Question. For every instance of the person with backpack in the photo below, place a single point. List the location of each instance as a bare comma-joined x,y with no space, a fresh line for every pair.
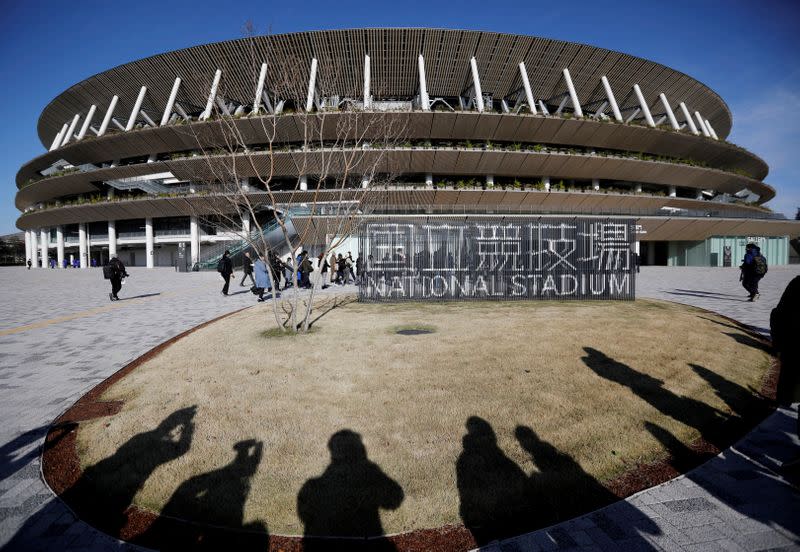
306,268
115,271
225,269
754,267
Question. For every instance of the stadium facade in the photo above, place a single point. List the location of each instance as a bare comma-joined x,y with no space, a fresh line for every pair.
497,125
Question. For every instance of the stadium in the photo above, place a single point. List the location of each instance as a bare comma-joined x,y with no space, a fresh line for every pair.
495,126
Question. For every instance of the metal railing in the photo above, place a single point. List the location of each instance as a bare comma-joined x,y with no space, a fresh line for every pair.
272,235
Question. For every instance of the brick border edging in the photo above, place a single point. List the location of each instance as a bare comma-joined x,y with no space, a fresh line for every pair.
61,470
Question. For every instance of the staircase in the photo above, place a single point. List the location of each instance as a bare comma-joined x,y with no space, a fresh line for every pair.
273,235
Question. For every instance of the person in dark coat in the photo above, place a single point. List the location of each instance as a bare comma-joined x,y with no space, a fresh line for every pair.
306,268
118,272
750,274
29,264
262,281
784,325
247,268
226,270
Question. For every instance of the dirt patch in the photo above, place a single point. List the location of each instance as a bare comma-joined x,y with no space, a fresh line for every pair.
719,388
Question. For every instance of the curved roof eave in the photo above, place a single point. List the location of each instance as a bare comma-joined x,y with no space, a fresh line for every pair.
544,60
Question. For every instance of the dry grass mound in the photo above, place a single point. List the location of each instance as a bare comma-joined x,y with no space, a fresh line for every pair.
508,416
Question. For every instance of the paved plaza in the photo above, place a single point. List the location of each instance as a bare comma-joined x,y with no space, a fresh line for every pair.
60,336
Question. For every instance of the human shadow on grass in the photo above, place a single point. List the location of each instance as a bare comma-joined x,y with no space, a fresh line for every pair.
739,327
499,500
750,342
104,491
715,426
206,512
340,509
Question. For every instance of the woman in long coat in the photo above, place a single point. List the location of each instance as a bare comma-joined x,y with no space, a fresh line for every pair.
262,279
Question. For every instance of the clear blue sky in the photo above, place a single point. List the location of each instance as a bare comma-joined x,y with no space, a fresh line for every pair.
746,51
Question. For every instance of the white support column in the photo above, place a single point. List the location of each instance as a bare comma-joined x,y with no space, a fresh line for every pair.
60,137
476,83
112,238
490,181
543,108
57,140
194,233
82,246
65,140
643,104
428,180
149,242
546,181
637,188
526,84
365,180
699,194
423,85
262,77
576,105
367,97
595,184
672,191
633,115
312,85
245,223
688,118
670,115
136,107
34,248
86,123
303,182
45,244
711,130
611,99
702,124
60,246
170,102
109,114
212,95
27,246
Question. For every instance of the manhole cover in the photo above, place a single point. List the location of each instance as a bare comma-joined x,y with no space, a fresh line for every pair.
413,332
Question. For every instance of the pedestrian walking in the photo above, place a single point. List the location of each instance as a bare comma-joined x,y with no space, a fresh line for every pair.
225,269
247,268
29,264
360,268
341,270
115,271
753,268
350,264
324,266
306,268
332,263
262,281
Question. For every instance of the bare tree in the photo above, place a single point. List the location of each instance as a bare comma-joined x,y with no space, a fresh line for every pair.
336,153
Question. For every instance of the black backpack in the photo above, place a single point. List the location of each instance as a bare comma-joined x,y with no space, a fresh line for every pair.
108,272
221,265
760,265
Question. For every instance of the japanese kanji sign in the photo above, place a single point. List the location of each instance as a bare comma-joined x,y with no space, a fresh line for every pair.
514,258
